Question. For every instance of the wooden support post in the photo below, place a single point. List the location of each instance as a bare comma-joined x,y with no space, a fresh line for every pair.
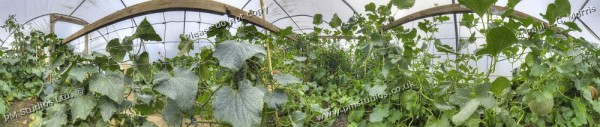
86,45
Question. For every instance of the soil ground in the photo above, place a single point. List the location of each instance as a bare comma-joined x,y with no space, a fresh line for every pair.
20,121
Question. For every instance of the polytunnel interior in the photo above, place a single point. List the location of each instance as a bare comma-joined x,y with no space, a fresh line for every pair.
90,24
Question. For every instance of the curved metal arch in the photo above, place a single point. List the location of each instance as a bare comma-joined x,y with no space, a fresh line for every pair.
450,9
154,6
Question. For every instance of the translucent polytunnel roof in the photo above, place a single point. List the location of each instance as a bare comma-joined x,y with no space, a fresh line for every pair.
281,13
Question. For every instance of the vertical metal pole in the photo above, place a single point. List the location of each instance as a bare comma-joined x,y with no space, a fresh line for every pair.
455,29
184,21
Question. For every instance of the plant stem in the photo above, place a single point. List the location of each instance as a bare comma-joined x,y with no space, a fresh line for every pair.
493,67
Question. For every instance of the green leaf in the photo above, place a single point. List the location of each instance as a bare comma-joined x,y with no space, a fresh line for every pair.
572,26
370,7
465,112
112,85
181,87
128,43
172,115
79,73
142,64
275,99
82,106
144,97
185,45
385,70
300,58
442,107
408,99
581,112
537,69
285,32
443,47
100,123
468,20
462,44
486,99
356,115
498,39
2,106
395,115
435,122
478,6
232,54
403,4
460,97
499,85
377,90
241,108
556,10
596,106
286,79
335,21
512,3
317,19
379,112
146,32
107,108
297,118
56,116
116,50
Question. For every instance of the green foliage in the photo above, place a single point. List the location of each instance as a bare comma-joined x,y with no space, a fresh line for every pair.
58,116
286,79
380,78
233,54
107,108
146,32
497,40
403,4
465,112
478,6
181,87
317,19
556,10
275,99
116,50
335,21
370,7
241,107
499,85
379,112
81,107
143,66
111,84
185,45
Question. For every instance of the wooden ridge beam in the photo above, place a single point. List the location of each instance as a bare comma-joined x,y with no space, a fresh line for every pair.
450,9
66,18
154,6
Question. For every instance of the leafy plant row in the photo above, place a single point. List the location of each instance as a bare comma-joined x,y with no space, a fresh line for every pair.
255,79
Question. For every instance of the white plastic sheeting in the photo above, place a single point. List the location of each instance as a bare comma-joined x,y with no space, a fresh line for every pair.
282,13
